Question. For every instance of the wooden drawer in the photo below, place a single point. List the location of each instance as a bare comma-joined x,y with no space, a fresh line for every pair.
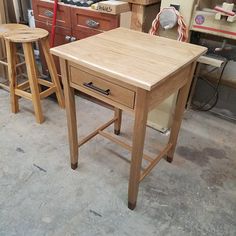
84,32
100,86
43,11
93,20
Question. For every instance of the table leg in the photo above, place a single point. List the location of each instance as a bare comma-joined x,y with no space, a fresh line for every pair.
117,124
179,110
139,131
71,115
193,86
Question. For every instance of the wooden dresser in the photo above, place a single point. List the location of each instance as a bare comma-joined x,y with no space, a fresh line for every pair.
73,23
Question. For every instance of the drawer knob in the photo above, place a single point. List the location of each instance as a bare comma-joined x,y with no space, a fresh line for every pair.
72,39
102,91
48,13
68,38
92,23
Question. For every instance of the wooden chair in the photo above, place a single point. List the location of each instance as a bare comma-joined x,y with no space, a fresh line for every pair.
4,28
31,89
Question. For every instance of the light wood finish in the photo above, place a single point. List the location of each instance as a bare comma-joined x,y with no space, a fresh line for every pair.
139,130
2,12
179,110
70,113
52,71
143,15
117,93
154,162
102,52
27,37
4,28
31,71
143,2
117,124
150,66
95,132
122,144
11,52
113,7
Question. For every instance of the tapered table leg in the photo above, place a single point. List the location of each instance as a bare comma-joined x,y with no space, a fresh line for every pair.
71,115
117,124
138,145
179,111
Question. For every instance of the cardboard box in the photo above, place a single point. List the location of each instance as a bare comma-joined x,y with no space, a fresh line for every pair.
113,7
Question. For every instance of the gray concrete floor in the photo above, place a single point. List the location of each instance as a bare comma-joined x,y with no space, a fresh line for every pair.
41,195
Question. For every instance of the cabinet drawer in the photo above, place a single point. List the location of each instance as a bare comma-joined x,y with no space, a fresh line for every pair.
43,11
93,20
103,88
84,32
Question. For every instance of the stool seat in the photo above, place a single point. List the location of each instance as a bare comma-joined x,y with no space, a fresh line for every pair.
4,28
26,35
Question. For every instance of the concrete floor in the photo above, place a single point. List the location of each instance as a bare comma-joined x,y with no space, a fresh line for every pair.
41,195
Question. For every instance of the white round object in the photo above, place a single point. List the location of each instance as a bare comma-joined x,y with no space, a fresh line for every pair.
168,19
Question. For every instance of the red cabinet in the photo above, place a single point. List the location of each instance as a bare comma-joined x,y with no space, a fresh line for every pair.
73,23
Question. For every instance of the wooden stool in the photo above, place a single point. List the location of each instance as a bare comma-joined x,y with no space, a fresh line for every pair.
27,37
4,28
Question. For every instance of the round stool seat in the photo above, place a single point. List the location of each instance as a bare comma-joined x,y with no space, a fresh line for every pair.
4,28
26,35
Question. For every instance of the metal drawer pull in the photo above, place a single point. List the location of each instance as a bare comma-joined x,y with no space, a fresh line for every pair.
72,39
68,38
48,13
91,86
92,23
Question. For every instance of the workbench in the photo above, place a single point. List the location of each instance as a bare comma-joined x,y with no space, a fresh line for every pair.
134,72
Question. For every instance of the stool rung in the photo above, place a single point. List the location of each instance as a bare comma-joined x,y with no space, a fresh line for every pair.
47,92
23,86
20,64
45,83
4,86
4,63
23,94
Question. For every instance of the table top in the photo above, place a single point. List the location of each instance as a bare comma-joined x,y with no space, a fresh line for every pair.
137,58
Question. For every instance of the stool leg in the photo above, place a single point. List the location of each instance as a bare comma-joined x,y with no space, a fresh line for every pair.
32,75
11,58
117,124
3,55
53,71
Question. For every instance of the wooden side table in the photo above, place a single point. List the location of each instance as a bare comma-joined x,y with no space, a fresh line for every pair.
134,72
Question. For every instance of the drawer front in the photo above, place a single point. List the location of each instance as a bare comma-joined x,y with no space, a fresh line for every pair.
93,20
84,32
102,87
43,11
